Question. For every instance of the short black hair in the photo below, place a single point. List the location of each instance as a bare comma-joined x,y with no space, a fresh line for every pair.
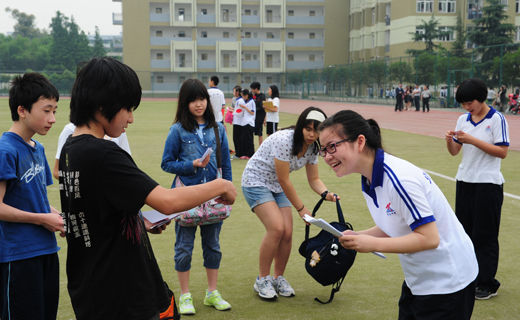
471,89
191,90
274,91
27,89
215,80
255,85
105,85
245,92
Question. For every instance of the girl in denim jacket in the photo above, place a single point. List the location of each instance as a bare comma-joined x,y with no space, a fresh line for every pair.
190,135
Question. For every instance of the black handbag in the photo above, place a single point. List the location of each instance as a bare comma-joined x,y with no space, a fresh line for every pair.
325,259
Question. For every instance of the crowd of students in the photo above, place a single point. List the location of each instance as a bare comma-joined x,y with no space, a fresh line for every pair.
448,257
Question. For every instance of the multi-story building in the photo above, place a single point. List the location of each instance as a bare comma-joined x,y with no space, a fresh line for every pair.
113,45
384,28
168,41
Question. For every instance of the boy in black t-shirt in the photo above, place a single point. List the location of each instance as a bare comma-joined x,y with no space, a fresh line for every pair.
111,269
259,98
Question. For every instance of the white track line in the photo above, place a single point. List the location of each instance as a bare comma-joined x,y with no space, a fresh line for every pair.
514,196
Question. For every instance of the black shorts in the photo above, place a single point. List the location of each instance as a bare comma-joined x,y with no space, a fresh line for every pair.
30,288
271,127
452,306
259,123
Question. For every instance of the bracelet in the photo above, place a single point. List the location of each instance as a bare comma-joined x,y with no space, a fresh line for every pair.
324,194
303,206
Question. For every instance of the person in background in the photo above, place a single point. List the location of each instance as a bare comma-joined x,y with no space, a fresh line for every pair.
217,99
412,218
258,98
483,136
68,130
192,132
247,108
270,195
425,97
29,266
272,117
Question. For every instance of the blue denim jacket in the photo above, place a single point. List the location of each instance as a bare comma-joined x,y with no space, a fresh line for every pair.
182,147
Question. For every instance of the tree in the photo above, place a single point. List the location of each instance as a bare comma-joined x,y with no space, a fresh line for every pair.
69,43
377,72
491,30
98,50
21,53
459,45
425,68
430,33
24,26
401,71
511,67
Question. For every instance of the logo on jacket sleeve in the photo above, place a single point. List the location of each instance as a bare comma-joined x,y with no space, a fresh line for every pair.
389,210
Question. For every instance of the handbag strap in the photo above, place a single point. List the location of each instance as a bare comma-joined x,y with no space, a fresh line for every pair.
341,218
219,150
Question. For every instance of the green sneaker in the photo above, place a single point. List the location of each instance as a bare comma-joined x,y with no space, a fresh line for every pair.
214,299
186,304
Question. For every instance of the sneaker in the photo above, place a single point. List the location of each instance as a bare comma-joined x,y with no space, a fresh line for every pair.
244,158
484,294
186,304
214,299
264,287
283,287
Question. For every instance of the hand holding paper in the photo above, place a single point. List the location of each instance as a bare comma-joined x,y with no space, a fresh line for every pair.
335,232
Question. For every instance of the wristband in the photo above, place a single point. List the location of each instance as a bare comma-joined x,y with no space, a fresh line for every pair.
303,206
324,194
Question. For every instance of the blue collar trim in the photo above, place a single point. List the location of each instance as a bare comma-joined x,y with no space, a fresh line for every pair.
377,176
490,113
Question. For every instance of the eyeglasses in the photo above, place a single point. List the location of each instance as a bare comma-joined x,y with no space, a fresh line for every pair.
331,147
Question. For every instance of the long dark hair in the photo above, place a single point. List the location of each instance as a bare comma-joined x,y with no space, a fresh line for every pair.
274,91
351,124
191,90
301,123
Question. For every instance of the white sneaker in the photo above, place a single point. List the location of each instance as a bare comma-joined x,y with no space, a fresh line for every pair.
264,287
283,287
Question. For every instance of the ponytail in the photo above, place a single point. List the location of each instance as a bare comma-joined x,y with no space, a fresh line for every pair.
352,124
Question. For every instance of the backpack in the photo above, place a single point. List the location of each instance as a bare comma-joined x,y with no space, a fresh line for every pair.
325,259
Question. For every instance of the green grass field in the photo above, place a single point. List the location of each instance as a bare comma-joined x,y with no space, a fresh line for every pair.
372,287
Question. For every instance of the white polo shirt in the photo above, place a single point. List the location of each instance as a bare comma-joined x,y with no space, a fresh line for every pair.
247,118
273,116
403,197
476,165
216,97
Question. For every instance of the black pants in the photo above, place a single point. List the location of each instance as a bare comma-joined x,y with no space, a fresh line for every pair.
245,141
417,103
398,104
426,104
29,288
452,306
478,207
236,140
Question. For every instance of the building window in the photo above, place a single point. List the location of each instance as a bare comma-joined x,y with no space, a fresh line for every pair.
290,35
270,35
517,6
517,36
159,56
181,14
203,56
254,57
203,11
226,79
181,34
290,57
247,12
419,30
158,10
290,13
182,60
225,15
312,57
269,79
160,79
203,34
504,3
373,16
247,57
312,13
475,9
247,34
158,33
447,6
247,79
424,5
269,16
225,34
312,35
449,36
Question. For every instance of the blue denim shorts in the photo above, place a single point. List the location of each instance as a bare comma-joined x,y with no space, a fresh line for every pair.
258,195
